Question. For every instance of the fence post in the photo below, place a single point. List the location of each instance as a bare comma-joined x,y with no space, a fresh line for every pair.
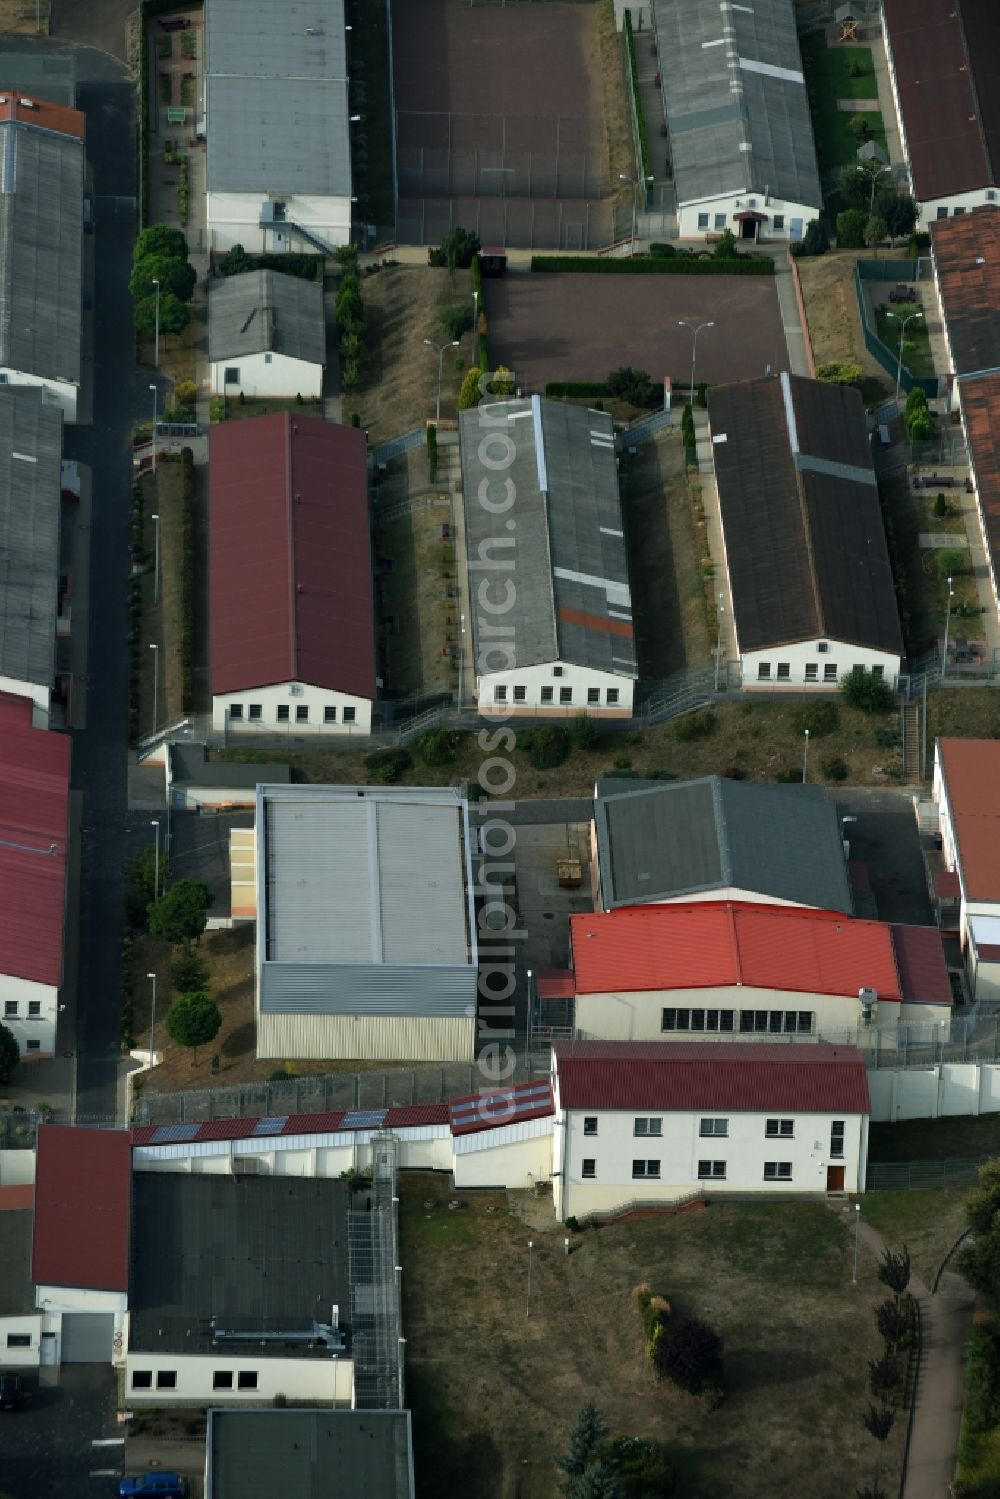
385,1087
413,1086
357,1090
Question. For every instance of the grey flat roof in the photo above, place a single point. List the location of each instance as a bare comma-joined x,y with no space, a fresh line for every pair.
17,1294
257,1254
363,901
189,765
266,312
309,1454
573,602
276,98
735,100
47,76
41,251
688,837
30,464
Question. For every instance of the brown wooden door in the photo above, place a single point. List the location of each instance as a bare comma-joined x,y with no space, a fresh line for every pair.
834,1178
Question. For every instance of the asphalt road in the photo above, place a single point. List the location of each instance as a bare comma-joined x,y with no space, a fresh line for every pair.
48,1447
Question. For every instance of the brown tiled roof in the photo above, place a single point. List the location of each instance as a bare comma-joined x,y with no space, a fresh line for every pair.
946,55
981,410
967,260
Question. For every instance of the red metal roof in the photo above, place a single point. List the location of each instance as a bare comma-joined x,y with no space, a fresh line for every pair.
25,109
269,1128
971,770
920,961
34,826
494,1109
807,1078
290,556
83,1195
555,983
713,944
947,885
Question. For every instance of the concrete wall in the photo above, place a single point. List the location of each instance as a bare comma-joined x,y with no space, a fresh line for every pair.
576,680
514,1155
61,390
952,1088
421,1148
838,656
327,1380
268,375
371,1038
35,1034
234,219
17,1168
293,696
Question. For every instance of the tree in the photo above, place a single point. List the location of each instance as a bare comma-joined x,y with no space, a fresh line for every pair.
878,1421
546,746
979,1259
471,391
894,1271
10,1053
174,275
457,320
689,1352
174,315
876,232
586,1436
839,372
188,972
725,246
502,383
940,506
457,250
892,1322
627,384
235,262
180,915
346,256
862,689
884,1375
860,128
596,1482
950,561
158,239
185,394
921,426
900,214
851,229
916,400
193,1021
815,241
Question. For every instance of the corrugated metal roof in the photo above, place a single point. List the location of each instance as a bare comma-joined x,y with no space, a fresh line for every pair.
503,1106
34,830
563,540
311,1454
384,989
682,837
733,1076
290,556
30,459
83,1192
805,544
971,771
276,98
714,944
967,261
406,1116
920,960
735,100
41,248
266,312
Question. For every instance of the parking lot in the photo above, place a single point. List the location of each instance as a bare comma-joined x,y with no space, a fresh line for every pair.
48,1448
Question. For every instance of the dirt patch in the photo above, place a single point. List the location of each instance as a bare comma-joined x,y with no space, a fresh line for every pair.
20,18
237,410
775,1279
833,317
928,1223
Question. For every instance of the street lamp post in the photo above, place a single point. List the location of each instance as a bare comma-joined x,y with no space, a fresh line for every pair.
695,330
156,555
461,662
902,333
805,760
155,391
857,1235
947,627
156,684
527,1306
718,643
475,327
156,865
635,183
156,355
152,1015
451,344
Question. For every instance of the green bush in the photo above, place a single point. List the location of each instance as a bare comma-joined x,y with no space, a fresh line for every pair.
834,768
819,718
840,372
638,265
586,733
950,561
633,386
688,1352
863,690
188,973
437,747
940,507
471,391
457,250
546,746
632,63
387,765
662,251
886,738
851,229
695,726
457,320
790,776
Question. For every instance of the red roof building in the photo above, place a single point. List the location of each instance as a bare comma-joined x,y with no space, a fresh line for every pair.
83,1196
25,109
34,827
967,790
290,556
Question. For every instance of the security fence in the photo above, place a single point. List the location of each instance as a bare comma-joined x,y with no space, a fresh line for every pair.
888,270
922,1176
372,1252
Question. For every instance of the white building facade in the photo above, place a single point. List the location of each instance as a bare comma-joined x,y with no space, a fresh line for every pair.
257,376
816,664
297,707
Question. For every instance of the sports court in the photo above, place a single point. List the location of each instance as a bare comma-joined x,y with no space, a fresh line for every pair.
500,122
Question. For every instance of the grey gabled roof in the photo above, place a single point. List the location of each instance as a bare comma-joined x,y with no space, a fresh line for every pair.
309,1454
266,312
41,251
735,100
561,540
689,837
363,901
30,463
276,98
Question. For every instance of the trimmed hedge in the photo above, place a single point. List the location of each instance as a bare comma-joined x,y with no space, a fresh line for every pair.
637,265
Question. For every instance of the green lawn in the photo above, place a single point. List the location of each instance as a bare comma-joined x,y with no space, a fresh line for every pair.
928,1223
979,1463
921,588
961,1138
828,78
917,356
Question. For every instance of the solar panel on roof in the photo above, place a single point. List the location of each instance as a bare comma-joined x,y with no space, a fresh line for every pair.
169,1134
364,1118
271,1126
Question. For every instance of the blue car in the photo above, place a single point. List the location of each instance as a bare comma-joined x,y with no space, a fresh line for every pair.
164,1485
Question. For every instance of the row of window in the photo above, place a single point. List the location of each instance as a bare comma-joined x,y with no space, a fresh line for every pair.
783,672
721,221
222,1379
565,695
282,714
991,197
646,1170
752,1022
644,1127
11,1009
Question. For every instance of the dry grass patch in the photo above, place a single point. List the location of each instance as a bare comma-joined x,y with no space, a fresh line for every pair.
20,18
928,1223
612,89
833,317
414,591
178,351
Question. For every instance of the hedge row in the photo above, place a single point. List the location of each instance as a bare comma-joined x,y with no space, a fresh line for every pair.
679,265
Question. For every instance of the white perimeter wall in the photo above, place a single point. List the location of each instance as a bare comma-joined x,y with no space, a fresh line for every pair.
953,1088
61,390
269,375
806,653
316,699
421,1148
578,679
25,1028
234,219
514,1155
327,1380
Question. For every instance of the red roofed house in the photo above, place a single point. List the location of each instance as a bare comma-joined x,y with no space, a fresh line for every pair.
292,634
739,968
967,792
34,827
654,1122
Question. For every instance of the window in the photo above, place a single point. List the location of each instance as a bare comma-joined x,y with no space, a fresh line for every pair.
349,715
565,694
33,1046
222,1379
593,694
763,671
837,1139
784,671
782,1129
711,1171
282,713
235,710
779,221
301,712
829,671
142,1379
546,694
267,358
645,1126
34,1008
799,1021
247,1379
166,1379
557,671
703,221
812,671
232,375
956,212
19,1340
645,1170
611,696
696,1020
713,1127
590,1124
256,712
589,1170
776,1022
500,694
878,671
991,196
10,1007
329,714
520,694
942,213
777,1171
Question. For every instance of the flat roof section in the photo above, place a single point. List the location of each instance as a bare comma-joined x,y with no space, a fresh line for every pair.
311,1454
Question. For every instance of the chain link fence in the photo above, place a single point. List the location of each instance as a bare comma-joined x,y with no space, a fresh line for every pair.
922,1176
372,1251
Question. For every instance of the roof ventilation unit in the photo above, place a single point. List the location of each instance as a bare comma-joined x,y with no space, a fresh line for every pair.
869,1003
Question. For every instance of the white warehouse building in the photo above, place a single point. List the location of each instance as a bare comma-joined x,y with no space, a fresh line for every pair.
266,336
